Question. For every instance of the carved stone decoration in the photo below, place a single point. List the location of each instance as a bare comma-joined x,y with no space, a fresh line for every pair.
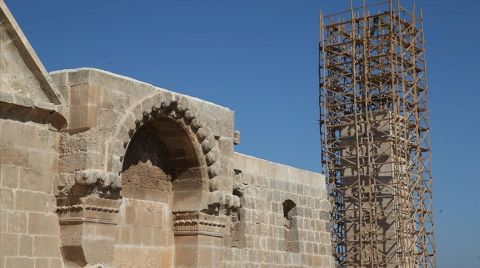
88,230
195,222
198,239
158,106
87,212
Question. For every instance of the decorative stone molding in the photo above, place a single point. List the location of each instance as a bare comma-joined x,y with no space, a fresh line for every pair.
90,209
78,221
26,109
224,199
236,137
162,105
195,222
97,177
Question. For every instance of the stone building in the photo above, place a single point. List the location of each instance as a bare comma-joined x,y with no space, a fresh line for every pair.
100,170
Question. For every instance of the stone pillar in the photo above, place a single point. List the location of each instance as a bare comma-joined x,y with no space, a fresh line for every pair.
145,237
88,228
198,239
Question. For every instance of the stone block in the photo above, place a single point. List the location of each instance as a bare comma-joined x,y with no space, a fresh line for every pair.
141,236
12,155
25,135
36,180
98,250
12,241
43,160
42,263
3,220
17,222
107,119
83,117
144,257
104,97
43,224
186,200
25,247
7,199
153,257
125,233
185,255
105,231
19,262
56,263
130,215
162,237
46,246
82,94
205,257
34,201
9,176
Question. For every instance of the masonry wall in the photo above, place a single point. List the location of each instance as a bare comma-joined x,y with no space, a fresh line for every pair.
263,187
251,213
144,236
29,229
99,103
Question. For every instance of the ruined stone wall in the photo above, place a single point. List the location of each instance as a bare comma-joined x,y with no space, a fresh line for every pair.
267,231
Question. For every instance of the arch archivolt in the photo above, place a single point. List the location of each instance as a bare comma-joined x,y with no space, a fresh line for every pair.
154,107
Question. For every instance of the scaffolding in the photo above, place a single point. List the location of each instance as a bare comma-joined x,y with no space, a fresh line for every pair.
375,136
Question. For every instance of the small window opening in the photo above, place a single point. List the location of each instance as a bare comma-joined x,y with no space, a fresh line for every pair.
290,226
237,229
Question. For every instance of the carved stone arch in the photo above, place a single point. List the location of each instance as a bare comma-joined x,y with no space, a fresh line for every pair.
164,135
164,106
191,220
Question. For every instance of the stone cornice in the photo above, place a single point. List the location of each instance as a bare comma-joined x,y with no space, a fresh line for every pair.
25,109
91,209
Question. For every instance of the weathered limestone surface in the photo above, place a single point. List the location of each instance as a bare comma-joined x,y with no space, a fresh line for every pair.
100,170
29,143
265,238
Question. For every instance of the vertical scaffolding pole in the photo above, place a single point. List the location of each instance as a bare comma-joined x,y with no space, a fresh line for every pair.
375,136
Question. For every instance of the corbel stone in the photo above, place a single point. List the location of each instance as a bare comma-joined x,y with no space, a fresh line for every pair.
79,219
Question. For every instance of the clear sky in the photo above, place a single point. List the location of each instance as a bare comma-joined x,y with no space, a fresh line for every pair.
259,58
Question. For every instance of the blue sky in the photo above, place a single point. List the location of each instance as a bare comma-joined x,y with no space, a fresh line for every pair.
259,58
